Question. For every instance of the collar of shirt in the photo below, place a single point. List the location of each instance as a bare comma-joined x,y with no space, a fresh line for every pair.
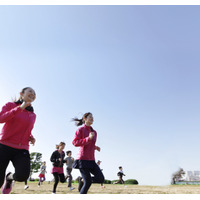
88,128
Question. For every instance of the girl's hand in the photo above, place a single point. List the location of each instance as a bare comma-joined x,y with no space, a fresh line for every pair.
59,159
24,105
32,140
91,135
98,148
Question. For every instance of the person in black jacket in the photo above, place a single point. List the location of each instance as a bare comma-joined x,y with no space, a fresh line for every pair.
57,158
120,174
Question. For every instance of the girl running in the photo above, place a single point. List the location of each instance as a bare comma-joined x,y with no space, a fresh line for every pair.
57,158
85,138
42,173
18,118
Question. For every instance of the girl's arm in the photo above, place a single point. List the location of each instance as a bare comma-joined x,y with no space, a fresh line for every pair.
63,159
54,158
97,148
31,138
78,140
8,112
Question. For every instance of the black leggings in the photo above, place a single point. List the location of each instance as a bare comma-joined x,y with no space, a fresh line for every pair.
56,179
88,180
20,159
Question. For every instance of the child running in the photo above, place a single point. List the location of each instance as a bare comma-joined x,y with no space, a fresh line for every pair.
57,158
69,161
42,173
18,118
120,174
85,138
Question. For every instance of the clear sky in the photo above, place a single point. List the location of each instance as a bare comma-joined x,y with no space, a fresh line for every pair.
136,68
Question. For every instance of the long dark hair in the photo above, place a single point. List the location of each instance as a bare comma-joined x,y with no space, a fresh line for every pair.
79,122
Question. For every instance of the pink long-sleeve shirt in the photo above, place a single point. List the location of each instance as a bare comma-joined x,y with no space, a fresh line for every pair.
87,147
18,125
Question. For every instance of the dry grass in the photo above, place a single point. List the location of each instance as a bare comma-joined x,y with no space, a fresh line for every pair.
46,188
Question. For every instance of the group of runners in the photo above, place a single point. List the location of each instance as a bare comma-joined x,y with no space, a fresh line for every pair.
19,119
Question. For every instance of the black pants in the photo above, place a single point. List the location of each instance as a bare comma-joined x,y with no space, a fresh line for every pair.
58,177
20,159
88,180
120,180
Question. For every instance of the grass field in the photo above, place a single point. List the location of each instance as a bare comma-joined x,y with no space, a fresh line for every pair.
46,188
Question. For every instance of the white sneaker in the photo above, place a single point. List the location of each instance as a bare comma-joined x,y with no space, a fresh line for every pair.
71,188
26,187
53,193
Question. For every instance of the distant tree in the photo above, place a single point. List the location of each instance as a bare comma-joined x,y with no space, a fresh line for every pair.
131,181
106,181
177,176
35,162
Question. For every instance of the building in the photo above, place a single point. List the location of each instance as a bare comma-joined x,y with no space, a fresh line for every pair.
189,178
192,176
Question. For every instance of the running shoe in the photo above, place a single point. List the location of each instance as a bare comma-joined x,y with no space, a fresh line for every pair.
7,186
71,188
26,187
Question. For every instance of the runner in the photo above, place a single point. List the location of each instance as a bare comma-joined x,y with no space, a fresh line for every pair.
57,158
42,173
18,118
85,138
69,162
120,174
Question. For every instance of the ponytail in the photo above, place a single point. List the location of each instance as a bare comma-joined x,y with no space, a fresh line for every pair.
78,122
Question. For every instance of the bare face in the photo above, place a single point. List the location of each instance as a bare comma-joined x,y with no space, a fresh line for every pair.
89,120
69,154
28,95
61,147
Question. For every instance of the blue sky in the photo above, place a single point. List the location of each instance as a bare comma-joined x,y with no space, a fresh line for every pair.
136,68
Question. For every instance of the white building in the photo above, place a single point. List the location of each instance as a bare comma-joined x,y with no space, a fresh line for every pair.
191,176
